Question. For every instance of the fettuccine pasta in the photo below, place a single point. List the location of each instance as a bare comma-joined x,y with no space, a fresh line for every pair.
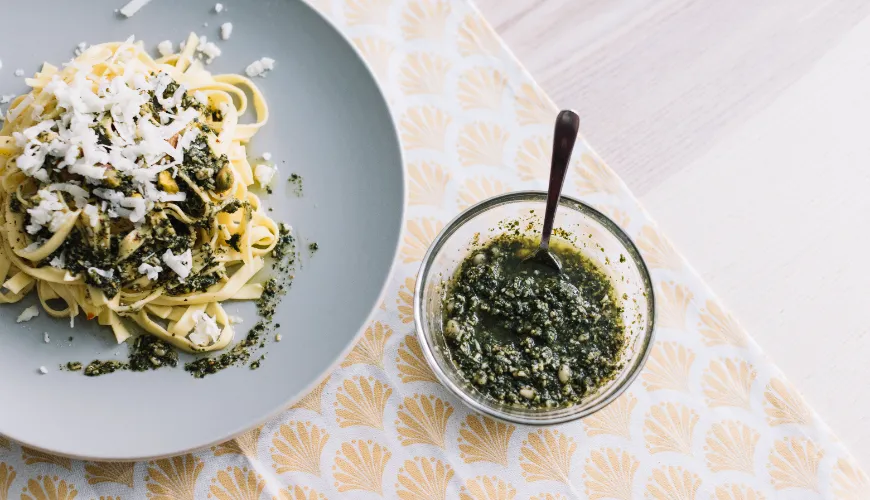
124,184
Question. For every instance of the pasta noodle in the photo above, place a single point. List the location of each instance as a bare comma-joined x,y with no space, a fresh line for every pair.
124,194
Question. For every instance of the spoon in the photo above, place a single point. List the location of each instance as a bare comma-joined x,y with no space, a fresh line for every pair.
564,137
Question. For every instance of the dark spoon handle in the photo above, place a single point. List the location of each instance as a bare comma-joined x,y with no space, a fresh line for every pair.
564,137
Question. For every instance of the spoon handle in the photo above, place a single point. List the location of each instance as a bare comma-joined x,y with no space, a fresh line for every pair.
564,137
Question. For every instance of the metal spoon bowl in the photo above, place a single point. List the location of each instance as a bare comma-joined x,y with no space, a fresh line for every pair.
564,137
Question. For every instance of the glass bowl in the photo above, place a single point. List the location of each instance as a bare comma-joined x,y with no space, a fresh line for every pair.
594,234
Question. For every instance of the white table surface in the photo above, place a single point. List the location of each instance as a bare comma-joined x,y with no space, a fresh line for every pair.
744,128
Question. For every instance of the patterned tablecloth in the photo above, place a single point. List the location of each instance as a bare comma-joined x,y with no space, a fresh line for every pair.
710,417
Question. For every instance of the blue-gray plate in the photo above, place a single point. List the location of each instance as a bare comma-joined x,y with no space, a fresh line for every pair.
330,124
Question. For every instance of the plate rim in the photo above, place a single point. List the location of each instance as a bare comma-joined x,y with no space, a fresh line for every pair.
326,372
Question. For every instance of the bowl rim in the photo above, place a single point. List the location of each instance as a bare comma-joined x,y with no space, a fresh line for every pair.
569,202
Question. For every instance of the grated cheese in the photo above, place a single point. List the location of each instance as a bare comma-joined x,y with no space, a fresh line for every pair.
218,7
58,261
267,156
264,174
49,212
43,370
27,314
165,48
133,7
205,330
181,264
151,272
45,337
81,48
19,72
226,31
207,50
6,98
260,67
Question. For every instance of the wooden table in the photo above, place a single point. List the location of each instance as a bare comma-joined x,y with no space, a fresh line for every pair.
744,128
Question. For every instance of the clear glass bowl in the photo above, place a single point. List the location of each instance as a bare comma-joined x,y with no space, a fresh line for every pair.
596,235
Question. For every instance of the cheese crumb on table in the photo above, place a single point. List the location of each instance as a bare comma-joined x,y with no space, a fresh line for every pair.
19,72
43,370
45,337
278,337
133,7
81,48
218,7
27,314
226,31
267,156
7,98
260,67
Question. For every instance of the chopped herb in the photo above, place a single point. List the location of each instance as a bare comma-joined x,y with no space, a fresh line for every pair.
74,366
312,248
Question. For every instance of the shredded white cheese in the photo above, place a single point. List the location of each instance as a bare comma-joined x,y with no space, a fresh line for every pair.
151,272
218,7
207,50
181,264
19,72
205,329
81,48
260,67
58,261
200,97
43,370
226,31
165,48
267,156
133,7
6,98
27,314
234,319
50,211
264,174
45,337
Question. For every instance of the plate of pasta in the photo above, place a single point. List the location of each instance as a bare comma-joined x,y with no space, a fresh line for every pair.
194,223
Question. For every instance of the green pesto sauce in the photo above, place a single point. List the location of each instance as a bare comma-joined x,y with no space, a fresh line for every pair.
525,336
238,355
151,353
96,368
147,352
295,181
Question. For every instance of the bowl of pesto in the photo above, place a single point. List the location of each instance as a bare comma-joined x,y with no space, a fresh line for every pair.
523,343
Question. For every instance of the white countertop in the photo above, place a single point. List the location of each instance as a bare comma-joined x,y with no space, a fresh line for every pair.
744,128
